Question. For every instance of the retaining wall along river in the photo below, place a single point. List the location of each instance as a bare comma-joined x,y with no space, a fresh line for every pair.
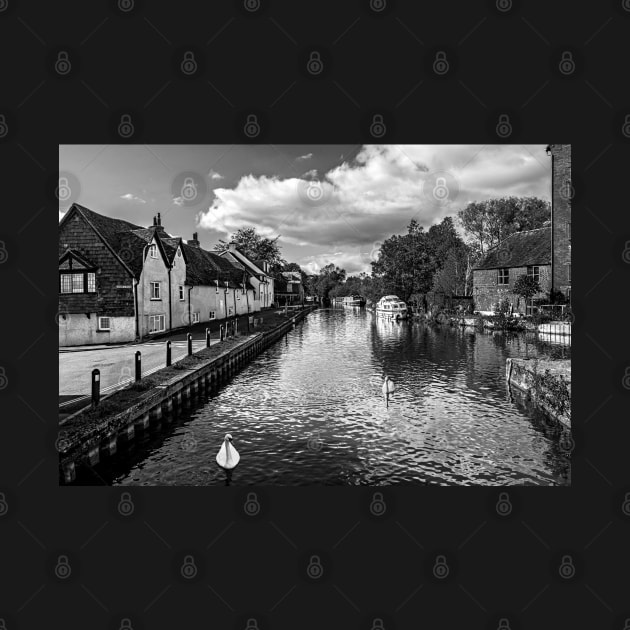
87,444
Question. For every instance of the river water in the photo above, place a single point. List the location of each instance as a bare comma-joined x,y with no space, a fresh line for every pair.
309,410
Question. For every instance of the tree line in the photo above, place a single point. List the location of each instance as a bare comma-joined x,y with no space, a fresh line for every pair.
418,262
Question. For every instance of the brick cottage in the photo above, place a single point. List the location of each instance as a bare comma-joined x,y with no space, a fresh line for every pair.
544,254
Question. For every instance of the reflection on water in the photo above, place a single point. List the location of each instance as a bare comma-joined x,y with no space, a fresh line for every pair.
309,410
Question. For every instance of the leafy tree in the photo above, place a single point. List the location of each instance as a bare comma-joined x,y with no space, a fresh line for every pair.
455,275
489,222
526,287
255,247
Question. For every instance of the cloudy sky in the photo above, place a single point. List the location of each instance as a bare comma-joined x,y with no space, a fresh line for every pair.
327,203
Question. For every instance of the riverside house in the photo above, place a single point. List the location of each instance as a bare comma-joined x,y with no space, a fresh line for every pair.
544,254
289,288
521,253
120,282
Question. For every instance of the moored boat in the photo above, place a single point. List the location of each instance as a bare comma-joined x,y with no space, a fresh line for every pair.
391,306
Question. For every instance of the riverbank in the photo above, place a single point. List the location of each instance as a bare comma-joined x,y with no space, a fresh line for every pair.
547,383
92,433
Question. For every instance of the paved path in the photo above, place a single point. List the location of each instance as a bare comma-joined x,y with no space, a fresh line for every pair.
116,363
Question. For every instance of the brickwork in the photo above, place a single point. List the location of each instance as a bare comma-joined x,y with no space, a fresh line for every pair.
487,292
561,216
114,286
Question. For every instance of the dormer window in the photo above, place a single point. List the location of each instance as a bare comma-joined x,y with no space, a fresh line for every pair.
153,251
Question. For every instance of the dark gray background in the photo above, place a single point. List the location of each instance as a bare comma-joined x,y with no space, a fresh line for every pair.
255,62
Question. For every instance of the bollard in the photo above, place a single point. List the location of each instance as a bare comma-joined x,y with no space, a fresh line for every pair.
138,365
96,387
168,353
189,337
236,328
207,337
221,332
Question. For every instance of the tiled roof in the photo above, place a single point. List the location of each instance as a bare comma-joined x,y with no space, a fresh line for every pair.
129,242
532,247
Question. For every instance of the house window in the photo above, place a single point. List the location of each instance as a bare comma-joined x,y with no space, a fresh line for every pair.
195,318
77,283
157,323
91,283
230,310
155,291
534,272
212,315
104,323
153,251
181,292
66,283
504,276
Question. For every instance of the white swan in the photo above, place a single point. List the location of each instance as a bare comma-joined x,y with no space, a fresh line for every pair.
388,388
228,456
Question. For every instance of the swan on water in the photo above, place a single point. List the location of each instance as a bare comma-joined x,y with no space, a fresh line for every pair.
228,456
388,388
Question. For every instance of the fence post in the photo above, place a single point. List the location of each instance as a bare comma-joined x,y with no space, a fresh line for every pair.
96,387
138,365
168,353
221,332
189,337
207,337
236,328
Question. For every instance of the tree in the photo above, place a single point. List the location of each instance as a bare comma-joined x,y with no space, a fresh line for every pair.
255,247
489,222
407,264
526,287
453,278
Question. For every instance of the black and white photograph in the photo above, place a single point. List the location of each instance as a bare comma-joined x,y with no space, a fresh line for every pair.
302,315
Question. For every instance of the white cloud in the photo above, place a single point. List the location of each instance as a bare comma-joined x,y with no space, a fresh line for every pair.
214,175
130,197
375,195
308,156
309,174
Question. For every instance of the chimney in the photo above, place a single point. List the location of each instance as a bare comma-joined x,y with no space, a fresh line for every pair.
194,241
157,224
232,246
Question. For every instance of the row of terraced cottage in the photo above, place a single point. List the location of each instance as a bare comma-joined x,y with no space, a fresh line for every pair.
543,254
121,282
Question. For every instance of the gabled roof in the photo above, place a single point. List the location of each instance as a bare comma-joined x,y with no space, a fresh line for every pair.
108,229
70,258
237,256
128,243
521,249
